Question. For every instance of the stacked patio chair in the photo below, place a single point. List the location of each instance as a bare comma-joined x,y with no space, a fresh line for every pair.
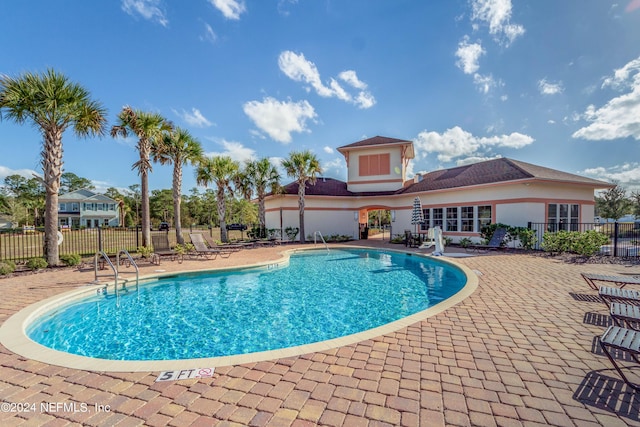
624,308
203,250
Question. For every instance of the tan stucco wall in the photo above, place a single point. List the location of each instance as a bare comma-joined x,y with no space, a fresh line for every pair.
514,204
358,183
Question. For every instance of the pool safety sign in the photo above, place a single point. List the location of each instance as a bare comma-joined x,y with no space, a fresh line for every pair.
185,374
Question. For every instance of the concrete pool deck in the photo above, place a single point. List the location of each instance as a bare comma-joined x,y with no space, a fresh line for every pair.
521,350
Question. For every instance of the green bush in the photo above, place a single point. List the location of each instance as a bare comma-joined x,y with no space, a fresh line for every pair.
71,259
589,242
145,251
465,242
291,232
7,267
37,263
398,239
586,243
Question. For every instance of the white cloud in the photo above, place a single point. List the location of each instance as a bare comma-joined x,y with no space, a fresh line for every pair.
476,159
209,35
626,174
548,88
231,9
497,15
5,172
456,142
625,77
235,150
279,119
620,116
351,77
484,83
283,6
328,149
150,10
336,168
299,69
194,118
468,55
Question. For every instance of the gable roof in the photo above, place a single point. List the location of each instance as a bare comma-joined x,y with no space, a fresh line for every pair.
495,171
84,194
376,140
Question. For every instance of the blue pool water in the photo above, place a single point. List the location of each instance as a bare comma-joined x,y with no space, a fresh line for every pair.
318,296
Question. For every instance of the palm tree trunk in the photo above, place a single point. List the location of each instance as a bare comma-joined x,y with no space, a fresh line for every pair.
177,184
222,211
301,209
146,216
52,168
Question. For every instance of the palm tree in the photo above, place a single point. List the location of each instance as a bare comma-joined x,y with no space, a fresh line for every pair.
221,171
52,104
258,176
148,127
304,166
178,148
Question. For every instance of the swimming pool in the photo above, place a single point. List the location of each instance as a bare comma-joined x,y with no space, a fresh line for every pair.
315,297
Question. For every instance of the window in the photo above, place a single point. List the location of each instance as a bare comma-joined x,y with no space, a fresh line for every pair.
75,207
112,206
425,223
374,164
452,219
560,215
62,207
437,217
484,216
466,215
88,206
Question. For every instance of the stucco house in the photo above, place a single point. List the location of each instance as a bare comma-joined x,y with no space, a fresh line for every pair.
86,208
460,200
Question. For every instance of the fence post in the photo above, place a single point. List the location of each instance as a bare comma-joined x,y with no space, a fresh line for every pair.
100,239
137,236
615,239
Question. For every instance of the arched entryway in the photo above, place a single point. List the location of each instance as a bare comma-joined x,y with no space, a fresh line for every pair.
375,222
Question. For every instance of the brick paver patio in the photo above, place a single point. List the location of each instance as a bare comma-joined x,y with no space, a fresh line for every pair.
521,351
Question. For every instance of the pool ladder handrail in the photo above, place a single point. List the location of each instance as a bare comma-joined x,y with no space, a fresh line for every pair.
115,269
317,233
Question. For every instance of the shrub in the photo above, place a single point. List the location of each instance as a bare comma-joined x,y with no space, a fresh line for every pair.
398,239
586,243
291,232
7,267
37,263
71,259
526,236
465,242
145,251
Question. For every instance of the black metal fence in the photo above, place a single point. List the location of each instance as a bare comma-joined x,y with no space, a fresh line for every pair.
21,244
624,237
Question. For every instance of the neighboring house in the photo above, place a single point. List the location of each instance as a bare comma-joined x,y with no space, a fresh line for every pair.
460,200
5,222
86,208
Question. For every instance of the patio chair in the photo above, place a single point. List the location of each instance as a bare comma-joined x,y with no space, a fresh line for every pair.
227,246
162,249
494,243
610,294
620,281
621,339
625,315
203,250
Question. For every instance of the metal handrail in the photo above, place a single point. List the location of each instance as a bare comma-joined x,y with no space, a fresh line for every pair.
315,234
132,262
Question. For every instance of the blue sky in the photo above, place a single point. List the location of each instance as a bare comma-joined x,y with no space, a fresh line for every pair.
554,83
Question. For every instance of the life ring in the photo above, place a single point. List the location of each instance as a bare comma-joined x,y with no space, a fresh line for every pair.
60,238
